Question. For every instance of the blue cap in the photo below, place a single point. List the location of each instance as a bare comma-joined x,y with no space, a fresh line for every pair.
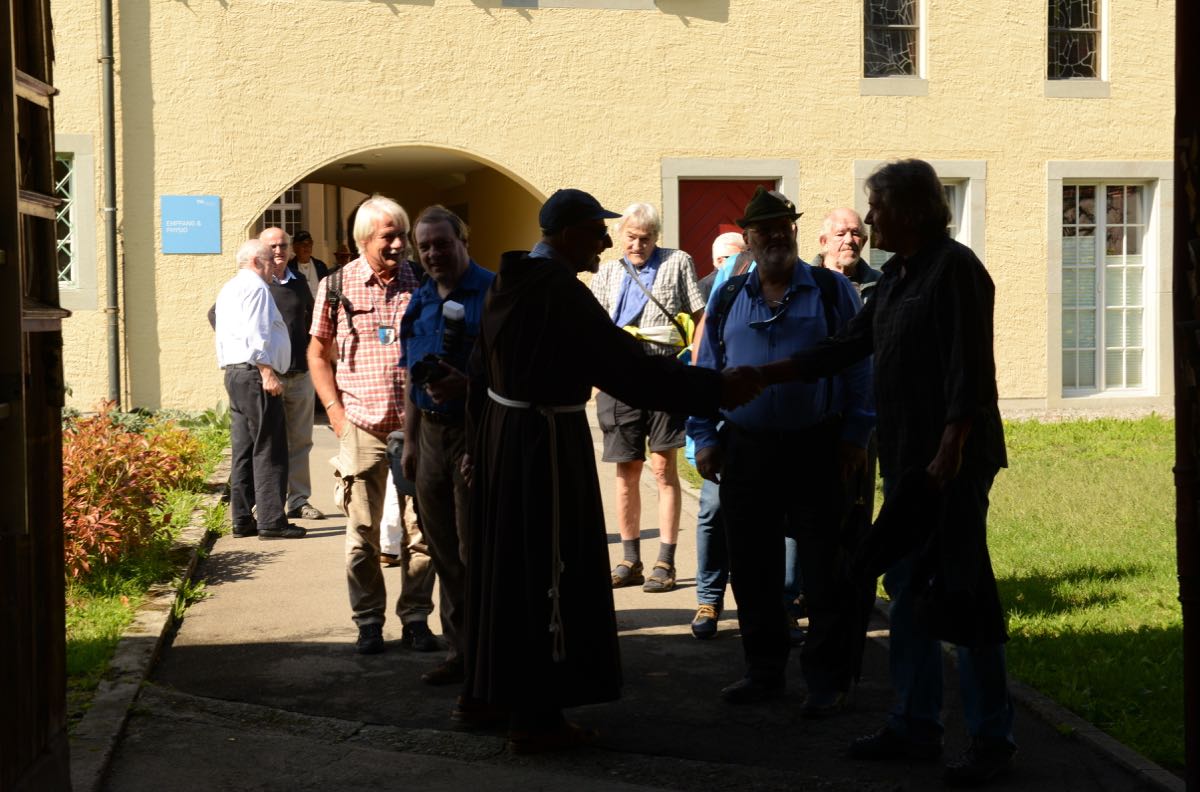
568,207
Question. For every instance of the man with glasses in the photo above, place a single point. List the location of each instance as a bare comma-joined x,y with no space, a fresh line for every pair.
781,460
292,294
360,330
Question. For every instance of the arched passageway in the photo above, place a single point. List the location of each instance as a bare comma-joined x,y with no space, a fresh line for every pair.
500,209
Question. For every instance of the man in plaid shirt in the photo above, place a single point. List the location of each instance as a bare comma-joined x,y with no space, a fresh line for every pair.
364,400
665,286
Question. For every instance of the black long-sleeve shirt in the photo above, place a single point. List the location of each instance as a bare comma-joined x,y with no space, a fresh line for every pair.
931,334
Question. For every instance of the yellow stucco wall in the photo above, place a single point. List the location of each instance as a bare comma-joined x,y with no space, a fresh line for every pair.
209,94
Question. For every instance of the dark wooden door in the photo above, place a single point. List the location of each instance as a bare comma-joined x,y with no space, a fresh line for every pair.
33,734
707,209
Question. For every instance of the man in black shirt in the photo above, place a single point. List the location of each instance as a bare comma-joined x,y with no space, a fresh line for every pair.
941,443
294,299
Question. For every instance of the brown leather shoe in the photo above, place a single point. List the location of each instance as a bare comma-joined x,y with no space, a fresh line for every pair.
448,672
563,738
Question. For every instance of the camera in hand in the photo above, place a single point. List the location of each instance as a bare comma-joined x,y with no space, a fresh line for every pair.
427,370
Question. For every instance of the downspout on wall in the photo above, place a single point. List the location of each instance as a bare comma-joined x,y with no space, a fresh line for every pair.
111,308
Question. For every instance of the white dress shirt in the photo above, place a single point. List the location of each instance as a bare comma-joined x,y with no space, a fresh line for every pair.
250,328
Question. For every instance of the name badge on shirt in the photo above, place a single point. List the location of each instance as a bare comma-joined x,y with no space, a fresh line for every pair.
387,334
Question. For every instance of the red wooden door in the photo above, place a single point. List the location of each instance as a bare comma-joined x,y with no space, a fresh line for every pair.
709,208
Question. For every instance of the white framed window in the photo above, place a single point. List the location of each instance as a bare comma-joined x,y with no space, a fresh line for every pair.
894,48
75,237
66,220
1108,280
287,212
1077,48
965,183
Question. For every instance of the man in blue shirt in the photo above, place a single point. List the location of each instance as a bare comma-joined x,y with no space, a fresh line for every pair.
782,460
435,353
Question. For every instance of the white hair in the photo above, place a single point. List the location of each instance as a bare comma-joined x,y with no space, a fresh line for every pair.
827,223
250,251
727,244
374,209
643,216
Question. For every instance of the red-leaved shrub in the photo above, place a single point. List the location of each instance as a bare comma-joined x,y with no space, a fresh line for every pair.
114,479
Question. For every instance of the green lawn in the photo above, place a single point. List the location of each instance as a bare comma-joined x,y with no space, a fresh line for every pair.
1082,535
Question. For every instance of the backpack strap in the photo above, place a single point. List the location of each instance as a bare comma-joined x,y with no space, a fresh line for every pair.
725,297
827,283
335,298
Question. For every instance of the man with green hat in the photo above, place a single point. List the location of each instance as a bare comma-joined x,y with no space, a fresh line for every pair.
782,460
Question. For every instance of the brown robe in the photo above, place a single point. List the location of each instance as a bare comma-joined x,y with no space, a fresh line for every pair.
545,340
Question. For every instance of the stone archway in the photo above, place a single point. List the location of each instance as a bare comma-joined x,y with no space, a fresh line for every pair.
499,206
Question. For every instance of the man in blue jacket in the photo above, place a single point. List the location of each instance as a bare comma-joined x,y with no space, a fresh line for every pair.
782,460
435,353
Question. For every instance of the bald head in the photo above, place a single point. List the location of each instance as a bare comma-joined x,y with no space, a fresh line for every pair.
842,238
280,244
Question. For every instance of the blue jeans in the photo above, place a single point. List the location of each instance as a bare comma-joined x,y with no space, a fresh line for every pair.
915,665
793,580
712,552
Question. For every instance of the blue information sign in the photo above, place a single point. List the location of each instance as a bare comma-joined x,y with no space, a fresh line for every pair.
191,224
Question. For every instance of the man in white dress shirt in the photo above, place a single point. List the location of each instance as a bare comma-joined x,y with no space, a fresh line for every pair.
253,349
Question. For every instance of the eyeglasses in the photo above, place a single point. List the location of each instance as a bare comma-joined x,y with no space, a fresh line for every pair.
780,310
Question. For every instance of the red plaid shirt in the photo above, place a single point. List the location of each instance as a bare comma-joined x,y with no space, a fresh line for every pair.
369,381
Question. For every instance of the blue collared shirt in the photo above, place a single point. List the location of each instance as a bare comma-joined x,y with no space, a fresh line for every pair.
422,325
792,406
632,300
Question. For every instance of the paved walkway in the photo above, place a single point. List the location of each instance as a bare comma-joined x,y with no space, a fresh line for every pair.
261,690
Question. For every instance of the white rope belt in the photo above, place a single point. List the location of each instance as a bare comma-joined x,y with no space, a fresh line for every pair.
556,568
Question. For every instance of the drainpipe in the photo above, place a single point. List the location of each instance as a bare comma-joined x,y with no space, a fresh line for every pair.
111,309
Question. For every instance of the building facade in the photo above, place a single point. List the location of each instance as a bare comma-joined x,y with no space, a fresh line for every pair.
1050,122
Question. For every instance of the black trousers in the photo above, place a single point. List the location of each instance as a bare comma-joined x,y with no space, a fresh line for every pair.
258,442
780,484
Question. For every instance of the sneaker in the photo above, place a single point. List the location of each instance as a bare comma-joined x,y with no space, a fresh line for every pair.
370,639
242,531
288,531
704,626
985,759
306,511
418,637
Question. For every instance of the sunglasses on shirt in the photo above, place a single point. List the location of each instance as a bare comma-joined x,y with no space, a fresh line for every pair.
759,324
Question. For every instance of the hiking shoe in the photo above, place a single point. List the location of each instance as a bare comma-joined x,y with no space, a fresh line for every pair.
985,759
823,704
888,744
417,636
370,639
704,626
289,531
306,511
